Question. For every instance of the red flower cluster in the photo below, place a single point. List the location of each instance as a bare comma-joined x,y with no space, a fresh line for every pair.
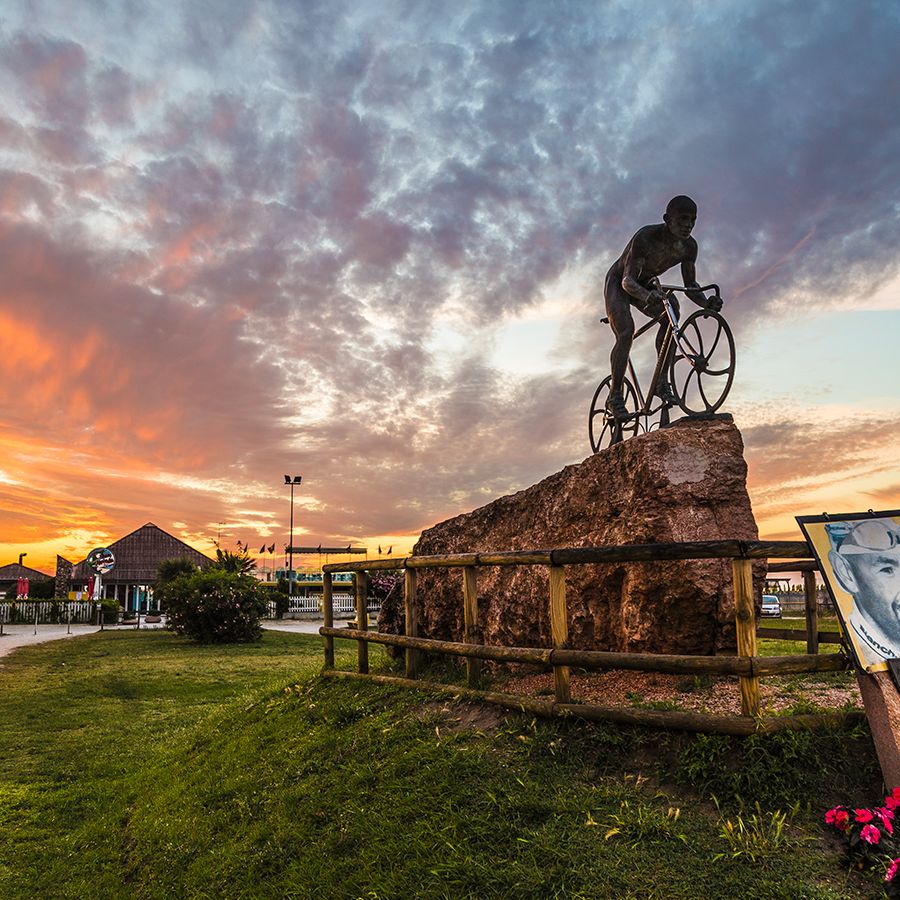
869,833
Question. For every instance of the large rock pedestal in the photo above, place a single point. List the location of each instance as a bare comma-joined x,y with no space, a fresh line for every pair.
684,483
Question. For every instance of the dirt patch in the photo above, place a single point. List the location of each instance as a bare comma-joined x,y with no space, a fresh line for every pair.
452,717
714,695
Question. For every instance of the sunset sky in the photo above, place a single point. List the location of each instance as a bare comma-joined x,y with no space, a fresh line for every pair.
364,242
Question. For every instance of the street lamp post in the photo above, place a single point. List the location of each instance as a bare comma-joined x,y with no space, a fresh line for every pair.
291,481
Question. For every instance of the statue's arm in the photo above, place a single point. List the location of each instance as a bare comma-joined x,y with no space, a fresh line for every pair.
634,265
689,276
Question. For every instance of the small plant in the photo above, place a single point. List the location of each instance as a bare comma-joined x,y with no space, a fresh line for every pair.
757,836
638,823
868,832
695,683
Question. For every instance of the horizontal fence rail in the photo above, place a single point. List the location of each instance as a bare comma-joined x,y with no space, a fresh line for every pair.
747,666
581,555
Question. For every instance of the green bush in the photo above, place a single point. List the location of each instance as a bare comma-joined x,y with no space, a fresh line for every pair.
110,610
215,606
281,603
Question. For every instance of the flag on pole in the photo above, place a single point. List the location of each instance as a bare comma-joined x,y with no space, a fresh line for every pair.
379,549
262,549
271,548
390,550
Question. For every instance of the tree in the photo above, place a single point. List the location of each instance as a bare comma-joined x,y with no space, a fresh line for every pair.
170,569
240,563
166,572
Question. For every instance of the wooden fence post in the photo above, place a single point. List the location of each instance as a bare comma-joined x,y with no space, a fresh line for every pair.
745,623
470,622
328,614
559,629
812,612
411,609
362,620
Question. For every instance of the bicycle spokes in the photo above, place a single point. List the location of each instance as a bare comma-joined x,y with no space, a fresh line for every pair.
702,367
603,428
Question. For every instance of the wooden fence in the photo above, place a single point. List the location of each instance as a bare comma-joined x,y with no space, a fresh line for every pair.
747,665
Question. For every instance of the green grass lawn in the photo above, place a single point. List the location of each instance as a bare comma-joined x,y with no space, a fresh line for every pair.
134,764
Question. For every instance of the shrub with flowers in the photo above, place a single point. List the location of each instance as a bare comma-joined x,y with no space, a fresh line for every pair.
215,606
869,836
383,583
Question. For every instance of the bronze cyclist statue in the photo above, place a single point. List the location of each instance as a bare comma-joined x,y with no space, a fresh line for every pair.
697,352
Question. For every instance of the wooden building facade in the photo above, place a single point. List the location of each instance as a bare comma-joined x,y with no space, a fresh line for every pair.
138,556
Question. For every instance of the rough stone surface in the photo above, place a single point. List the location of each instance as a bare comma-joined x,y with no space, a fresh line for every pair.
683,483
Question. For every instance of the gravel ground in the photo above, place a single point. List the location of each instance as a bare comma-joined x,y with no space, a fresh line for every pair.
717,695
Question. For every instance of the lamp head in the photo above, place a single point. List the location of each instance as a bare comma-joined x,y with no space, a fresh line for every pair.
287,479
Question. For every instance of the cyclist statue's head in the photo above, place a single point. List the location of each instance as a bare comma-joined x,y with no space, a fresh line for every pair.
680,217
681,203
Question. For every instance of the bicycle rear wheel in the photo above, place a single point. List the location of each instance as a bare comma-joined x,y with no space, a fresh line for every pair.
702,366
603,428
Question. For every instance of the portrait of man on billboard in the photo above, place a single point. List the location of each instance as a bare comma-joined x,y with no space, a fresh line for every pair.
859,557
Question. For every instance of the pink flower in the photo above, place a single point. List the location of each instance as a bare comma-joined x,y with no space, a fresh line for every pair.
892,869
886,815
863,815
892,801
842,820
870,834
830,815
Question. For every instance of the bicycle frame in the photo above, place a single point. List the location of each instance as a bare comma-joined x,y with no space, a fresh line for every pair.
673,333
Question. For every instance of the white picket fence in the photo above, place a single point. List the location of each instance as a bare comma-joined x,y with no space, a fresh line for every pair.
47,611
342,603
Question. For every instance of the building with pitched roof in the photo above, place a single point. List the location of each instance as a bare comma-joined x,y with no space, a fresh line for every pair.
12,572
138,556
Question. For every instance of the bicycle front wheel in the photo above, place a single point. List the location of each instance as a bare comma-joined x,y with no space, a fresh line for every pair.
702,366
603,428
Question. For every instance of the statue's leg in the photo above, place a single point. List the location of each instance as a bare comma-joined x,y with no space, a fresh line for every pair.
618,309
664,390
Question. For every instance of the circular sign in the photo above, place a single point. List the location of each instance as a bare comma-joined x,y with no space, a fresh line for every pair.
101,560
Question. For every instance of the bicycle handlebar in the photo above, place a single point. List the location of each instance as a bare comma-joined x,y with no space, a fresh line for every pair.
674,287
684,290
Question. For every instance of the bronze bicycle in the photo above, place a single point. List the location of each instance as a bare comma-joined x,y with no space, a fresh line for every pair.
697,355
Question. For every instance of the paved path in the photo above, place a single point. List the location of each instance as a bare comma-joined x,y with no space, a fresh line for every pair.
22,635
295,626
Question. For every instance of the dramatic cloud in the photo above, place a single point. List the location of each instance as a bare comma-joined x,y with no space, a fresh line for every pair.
295,237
